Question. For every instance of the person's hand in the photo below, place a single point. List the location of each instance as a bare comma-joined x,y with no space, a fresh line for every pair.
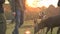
14,13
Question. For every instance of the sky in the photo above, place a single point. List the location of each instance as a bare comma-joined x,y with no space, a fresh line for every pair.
40,3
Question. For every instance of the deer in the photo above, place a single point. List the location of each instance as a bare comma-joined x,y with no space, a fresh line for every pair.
50,23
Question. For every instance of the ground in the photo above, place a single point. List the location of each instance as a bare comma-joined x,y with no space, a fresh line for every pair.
27,24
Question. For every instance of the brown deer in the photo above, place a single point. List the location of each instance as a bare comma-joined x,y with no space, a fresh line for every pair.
50,23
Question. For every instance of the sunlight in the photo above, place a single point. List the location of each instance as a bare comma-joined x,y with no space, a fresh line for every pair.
29,2
40,3
6,2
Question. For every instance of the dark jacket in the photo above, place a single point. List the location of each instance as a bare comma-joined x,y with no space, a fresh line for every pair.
1,6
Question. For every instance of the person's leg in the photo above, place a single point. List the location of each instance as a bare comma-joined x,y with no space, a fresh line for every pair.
13,20
2,24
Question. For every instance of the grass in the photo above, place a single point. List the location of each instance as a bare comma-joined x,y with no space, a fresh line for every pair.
43,31
10,28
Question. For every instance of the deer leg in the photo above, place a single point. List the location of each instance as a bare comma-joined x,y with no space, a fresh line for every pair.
36,29
51,29
48,28
58,32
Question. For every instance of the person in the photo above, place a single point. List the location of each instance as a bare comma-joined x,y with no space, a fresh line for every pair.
2,18
12,4
18,7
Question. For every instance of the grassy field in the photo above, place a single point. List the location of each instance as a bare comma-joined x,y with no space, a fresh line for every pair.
27,24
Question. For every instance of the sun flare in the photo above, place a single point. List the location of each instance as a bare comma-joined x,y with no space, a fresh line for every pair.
40,3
